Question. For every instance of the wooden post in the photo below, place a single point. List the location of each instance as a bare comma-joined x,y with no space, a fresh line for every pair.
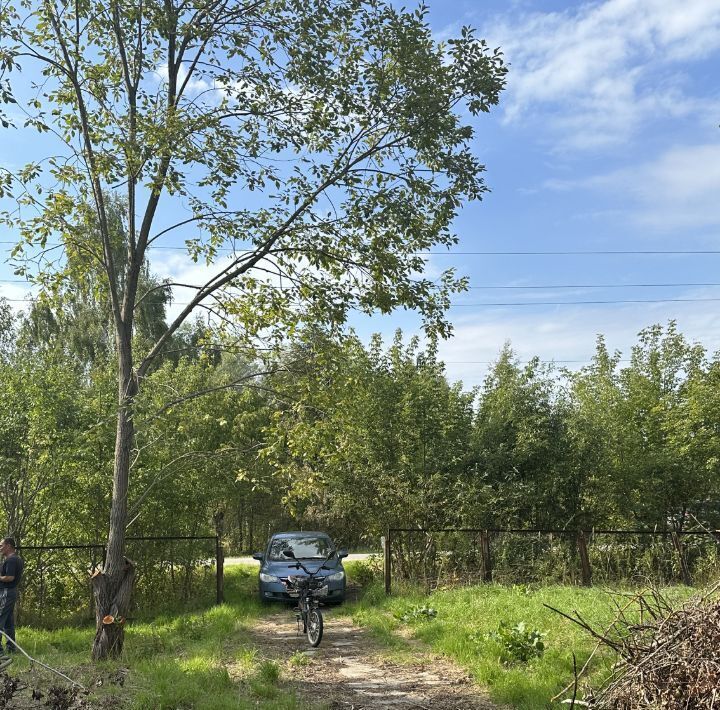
219,571
219,559
387,566
684,570
585,569
486,558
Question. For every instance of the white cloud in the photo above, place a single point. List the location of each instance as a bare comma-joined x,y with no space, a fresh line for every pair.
569,333
679,189
180,268
602,69
194,86
448,32
17,295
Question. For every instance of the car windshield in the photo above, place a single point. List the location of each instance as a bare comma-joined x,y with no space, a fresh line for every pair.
305,548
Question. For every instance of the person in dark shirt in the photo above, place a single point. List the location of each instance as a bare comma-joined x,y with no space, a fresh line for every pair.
10,576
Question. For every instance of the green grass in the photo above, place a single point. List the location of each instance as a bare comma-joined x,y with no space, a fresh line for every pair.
466,615
207,660
203,660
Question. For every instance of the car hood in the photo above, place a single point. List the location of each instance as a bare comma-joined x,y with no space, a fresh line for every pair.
281,568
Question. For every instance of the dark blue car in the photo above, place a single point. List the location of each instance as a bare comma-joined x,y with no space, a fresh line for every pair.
311,548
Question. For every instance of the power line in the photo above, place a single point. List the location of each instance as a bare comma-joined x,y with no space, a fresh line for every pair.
522,362
546,287
582,303
596,252
549,287
511,304
563,252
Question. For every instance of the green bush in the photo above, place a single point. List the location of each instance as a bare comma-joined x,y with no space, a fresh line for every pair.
365,572
518,643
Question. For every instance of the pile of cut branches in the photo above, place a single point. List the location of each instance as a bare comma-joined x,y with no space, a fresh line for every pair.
668,657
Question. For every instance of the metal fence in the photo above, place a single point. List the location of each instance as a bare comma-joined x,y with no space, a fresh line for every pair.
56,586
515,556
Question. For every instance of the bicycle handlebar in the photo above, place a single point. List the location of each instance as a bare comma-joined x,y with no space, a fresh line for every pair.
300,565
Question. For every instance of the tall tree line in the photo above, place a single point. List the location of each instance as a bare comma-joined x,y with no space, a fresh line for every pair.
354,437
383,438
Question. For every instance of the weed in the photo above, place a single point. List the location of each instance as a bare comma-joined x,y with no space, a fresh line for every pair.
264,684
145,643
171,661
518,643
269,672
170,684
416,613
299,659
374,594
263,690
467,617
246,658
190,625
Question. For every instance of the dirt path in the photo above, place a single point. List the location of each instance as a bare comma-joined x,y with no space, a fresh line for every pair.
350,670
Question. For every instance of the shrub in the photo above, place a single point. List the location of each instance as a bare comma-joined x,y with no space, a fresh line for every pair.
365,572
518,643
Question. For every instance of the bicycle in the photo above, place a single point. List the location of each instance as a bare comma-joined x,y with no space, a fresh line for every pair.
309,590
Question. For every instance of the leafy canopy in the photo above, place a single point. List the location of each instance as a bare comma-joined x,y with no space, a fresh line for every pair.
312,149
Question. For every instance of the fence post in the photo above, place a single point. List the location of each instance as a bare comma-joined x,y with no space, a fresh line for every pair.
585,569
219,571
684,570
387,565
486,558
219,559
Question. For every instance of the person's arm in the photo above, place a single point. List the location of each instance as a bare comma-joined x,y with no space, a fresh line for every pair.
10,568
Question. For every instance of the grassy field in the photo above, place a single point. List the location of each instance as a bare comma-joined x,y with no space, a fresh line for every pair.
207,660
467,618
203,660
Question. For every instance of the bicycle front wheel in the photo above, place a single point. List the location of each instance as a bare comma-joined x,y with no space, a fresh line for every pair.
314,627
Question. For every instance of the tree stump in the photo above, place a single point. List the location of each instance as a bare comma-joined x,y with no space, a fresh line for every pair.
112,601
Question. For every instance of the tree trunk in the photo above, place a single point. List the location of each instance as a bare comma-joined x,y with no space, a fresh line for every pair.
112,587
112,600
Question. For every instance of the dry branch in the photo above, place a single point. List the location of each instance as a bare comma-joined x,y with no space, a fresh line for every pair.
668,658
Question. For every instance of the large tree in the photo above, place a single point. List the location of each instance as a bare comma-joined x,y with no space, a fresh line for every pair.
368,438
519,476
310,149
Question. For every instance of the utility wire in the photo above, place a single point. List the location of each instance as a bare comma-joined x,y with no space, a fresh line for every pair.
521,362
565,252
510,304
546,287
552,286
582,303
595,252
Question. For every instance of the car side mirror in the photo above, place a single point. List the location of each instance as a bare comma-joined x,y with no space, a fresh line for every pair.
289,553
259,556
342,553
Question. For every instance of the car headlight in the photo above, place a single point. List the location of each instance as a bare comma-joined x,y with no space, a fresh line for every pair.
268,577
337,577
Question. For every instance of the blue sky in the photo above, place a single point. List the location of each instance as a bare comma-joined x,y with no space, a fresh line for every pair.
606,139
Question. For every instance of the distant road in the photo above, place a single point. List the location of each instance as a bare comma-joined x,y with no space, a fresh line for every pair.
249,560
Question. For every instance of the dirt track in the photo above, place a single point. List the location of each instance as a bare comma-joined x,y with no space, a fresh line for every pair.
350,670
